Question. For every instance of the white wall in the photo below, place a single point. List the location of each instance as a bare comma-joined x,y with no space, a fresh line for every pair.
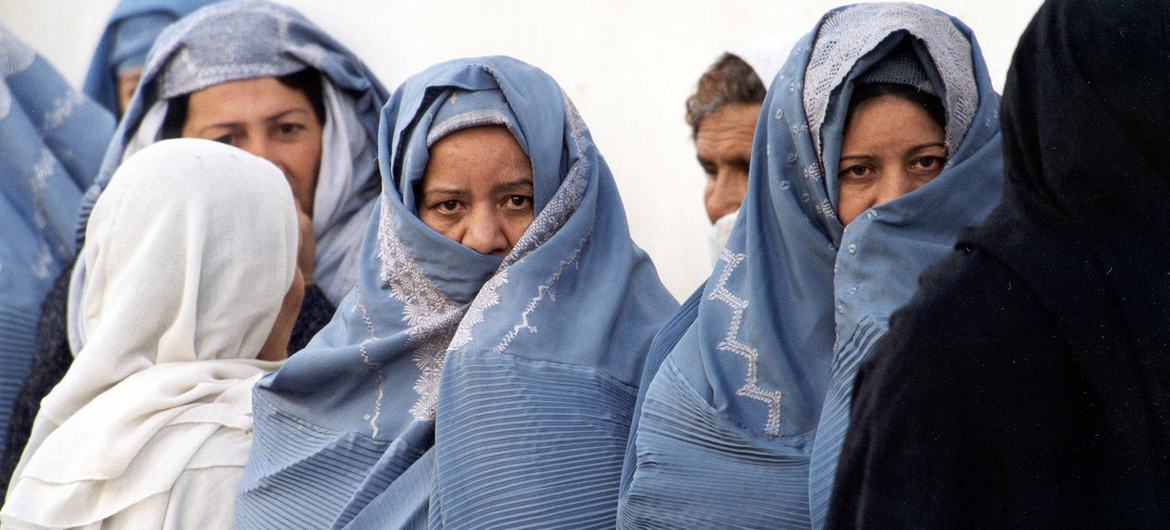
628,65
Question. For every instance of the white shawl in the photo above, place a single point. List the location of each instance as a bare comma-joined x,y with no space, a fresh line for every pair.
189,254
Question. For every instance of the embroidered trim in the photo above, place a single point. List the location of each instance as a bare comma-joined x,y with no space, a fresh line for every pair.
731,344
549,288
488,297
430,315
378,371
849,33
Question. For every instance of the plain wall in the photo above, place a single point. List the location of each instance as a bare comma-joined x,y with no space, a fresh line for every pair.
627,64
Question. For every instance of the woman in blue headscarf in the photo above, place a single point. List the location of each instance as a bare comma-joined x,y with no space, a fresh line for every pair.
484,371
877,144
118,61
51,143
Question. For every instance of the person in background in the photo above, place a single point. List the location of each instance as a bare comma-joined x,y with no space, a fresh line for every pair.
722,114
117,63
877,145
192,296
1027,384
484,371
51,143
261,77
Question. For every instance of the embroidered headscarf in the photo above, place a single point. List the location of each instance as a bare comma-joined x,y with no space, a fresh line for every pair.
235,40
192,250
742,422
129,34
463,387
51,143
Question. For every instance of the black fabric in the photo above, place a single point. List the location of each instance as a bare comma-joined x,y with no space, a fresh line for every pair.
50,362
53,358
316,311
1028,382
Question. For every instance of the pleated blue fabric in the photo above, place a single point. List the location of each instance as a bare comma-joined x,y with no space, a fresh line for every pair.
455,389
742,422
51,142
129,34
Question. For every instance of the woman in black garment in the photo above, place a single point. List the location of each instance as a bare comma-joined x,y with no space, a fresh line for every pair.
1028,382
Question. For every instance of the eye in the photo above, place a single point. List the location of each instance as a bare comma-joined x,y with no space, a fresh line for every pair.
855,172
448,207
517,202
229,139
929,162
290,129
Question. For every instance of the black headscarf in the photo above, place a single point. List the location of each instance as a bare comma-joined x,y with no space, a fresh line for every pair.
1086,131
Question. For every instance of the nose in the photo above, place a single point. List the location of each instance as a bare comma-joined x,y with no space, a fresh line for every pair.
724,195
894,184
262,148
484,233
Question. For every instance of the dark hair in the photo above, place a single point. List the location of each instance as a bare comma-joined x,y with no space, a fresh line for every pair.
306,81
870,91
730,80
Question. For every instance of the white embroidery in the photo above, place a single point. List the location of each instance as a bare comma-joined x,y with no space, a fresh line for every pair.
547,288
731,344
430,315
849,33
15,55
63,107
487,297
377,368
38,185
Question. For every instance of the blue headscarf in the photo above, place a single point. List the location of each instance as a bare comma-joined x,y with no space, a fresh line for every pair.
741,424
51,142
235,40
128,36
460,387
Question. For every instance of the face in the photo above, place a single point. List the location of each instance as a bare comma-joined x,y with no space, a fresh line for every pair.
477,190
724,147
267,119
127,83
891,147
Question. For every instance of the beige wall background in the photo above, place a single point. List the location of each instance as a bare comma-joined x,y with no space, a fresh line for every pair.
627,64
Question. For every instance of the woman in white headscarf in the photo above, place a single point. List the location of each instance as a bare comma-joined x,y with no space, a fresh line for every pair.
192,293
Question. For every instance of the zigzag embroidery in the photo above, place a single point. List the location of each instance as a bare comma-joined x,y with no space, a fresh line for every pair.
547,288
731,344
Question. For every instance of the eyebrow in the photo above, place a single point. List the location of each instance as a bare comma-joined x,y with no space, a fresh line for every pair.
914,149
272,118
520,184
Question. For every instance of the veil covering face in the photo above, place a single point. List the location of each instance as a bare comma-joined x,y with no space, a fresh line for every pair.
456,387
744,407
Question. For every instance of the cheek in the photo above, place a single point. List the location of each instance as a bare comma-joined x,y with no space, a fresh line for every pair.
851,202
515,227
301,163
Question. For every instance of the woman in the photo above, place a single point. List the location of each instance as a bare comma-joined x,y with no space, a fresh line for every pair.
192,296
53,139
1026,383
484,370
878,142
117,63
263,78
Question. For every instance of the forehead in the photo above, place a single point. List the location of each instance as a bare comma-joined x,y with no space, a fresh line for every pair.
891,120
729,128
243,99
479,154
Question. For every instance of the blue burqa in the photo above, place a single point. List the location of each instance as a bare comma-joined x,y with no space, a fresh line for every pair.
746,395
51,142
459,389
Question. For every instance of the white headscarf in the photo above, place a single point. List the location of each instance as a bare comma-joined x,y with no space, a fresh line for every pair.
189,253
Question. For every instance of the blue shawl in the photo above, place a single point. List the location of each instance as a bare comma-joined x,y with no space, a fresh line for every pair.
463,389
132,29
741,423
51,142
235,40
